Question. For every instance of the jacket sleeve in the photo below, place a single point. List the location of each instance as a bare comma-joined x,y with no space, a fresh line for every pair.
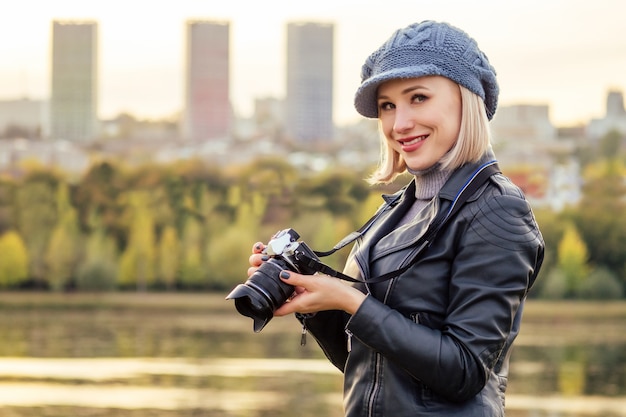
496,255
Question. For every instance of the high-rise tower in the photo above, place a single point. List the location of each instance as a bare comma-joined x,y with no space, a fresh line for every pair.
208,113
74,89
309,103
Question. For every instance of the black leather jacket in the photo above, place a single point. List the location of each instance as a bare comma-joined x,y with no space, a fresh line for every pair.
436,340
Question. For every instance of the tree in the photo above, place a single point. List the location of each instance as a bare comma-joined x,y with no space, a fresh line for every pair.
572,260
228,252
98,270
13,261
36,210
168,257
192,267
599,217
64,247
610,145
97,197
7,196
137,261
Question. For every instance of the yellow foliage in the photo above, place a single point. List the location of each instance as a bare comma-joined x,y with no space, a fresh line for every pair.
14,259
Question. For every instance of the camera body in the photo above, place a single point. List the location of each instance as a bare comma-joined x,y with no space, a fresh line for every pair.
264,291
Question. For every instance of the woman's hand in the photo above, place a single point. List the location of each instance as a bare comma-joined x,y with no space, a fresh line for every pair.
317,293
313,293
257,258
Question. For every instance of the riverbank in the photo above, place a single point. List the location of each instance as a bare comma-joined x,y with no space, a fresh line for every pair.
536,310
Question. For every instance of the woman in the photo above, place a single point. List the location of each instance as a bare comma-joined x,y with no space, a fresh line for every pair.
434,340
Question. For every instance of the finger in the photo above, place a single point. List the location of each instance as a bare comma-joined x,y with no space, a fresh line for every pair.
252,270
302,283
256,259
258,247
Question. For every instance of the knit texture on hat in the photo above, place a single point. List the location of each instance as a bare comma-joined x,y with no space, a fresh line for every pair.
428,48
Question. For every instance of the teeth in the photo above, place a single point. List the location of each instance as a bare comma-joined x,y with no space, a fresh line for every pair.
412,141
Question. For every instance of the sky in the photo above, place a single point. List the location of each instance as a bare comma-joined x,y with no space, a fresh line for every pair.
566,54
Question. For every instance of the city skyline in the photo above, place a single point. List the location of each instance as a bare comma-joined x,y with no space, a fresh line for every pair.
565,54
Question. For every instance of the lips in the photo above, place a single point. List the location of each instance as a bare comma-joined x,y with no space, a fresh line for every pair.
412,143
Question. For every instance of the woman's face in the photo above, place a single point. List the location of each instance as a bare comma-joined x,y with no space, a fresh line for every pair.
420,118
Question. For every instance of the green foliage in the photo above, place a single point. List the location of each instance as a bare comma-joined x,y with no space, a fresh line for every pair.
138,259
13,260
36,209
98,270
610,144
601,284
552,226
192,265
599,216
554,286
228,252
96,275
189,225
168,252
7,196
65,245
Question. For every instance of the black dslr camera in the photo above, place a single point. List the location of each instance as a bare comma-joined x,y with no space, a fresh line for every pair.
264,291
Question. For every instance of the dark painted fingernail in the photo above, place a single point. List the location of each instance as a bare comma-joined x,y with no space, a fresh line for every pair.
284,275
265,258
258,246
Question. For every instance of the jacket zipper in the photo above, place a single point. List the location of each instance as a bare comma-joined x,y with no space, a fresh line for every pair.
349,340
378,359
375,388
304,332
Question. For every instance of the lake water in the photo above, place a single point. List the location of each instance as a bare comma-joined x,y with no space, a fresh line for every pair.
193,355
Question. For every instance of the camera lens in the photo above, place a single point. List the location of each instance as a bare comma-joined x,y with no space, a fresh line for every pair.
262,293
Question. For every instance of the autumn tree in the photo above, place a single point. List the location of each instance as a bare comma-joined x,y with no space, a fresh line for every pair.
168,255
193,269
13,259
138,259
599,216
64,247
36,214
7,196
572,260
98,269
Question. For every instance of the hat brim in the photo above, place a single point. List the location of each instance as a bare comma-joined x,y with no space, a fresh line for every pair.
366,97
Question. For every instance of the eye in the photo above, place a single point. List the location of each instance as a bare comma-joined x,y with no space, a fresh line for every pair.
418,98
386,105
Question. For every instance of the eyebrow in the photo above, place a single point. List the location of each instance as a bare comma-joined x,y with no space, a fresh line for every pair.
406,90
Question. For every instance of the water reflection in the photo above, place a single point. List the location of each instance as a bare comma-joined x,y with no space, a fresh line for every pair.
197,357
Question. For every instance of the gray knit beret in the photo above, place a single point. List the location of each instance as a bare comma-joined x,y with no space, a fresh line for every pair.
428,48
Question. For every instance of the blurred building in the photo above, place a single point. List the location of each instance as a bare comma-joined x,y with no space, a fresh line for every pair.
309,102
269,117
523,123
207,114
22,118
60,154
74,89
614,119
534,157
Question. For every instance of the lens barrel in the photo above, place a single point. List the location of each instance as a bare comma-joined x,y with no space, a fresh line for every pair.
262,293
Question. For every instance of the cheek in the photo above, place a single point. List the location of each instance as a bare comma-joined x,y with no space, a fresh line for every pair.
385,125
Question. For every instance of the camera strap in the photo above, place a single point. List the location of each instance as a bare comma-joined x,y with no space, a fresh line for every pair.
478,178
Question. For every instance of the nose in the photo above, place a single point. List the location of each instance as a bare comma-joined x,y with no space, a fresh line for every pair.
403,121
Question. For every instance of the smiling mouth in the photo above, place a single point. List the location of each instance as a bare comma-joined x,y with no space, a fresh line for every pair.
412,141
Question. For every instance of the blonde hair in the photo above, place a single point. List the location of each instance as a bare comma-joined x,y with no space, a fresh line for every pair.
473,141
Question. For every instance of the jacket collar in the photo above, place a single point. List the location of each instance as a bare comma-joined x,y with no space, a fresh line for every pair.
460,176
450,189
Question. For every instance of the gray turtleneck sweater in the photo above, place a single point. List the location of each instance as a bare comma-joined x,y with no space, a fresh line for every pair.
427,185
